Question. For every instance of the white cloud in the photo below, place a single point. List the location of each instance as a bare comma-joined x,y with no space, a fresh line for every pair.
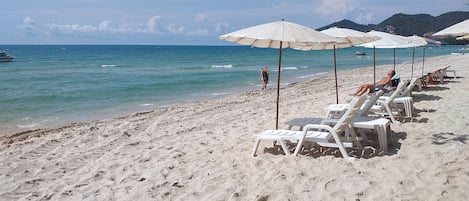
200,17
365,18
105,25
152,24
199,32
335,8
125,26
28,26
29,21
175,30
73,28
222,27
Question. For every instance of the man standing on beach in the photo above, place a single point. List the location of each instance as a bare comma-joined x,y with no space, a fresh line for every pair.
265,77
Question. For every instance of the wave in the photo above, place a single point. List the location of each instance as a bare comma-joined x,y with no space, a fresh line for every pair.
220,94
31,122
222,66
284,68
290,68
107,65
147,104
312,75
32,125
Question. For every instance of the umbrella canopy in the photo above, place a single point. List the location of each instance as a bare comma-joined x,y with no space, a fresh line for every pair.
459,29
283,34
354,38
417,41
387,41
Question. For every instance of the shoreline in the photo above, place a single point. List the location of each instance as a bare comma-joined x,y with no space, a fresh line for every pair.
14,129
202,150
57,114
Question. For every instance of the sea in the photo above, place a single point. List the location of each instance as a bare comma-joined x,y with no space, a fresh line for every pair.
50,85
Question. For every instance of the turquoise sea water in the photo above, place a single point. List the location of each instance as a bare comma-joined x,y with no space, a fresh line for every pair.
48,85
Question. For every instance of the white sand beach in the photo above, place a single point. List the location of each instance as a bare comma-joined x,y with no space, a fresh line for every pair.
202,150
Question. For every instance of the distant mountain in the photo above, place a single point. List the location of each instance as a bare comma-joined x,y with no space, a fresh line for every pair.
349,24
407,25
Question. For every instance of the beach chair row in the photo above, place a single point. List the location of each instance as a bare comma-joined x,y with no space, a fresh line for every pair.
437,76
346,125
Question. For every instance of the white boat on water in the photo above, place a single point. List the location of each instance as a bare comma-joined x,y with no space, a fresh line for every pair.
5,57
360,53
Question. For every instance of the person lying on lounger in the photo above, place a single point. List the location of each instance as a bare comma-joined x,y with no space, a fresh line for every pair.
363,88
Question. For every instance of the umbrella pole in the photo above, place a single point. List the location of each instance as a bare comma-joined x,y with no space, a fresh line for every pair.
423,60
413,57
374,65
278,83
335,75
394,50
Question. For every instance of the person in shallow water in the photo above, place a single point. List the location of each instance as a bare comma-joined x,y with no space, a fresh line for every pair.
264,77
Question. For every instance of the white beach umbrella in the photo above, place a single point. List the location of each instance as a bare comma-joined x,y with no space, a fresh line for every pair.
417,41
283,34
387,41
354,38
458,29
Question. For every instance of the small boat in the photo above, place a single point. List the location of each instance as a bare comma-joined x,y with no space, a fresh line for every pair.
5,57
360,53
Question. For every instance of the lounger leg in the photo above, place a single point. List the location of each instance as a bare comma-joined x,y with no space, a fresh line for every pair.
355,138
388,109
382,138
342,149
363,135
284,147
256,145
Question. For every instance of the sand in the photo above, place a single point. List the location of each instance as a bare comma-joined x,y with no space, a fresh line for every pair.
202,150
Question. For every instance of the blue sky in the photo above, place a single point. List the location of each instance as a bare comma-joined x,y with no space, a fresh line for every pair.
185,22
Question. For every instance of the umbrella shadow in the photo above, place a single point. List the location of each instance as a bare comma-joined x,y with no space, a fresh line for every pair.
425,97
443,138
370,148
434,88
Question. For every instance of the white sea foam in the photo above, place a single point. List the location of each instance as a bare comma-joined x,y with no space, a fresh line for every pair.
220,94
32,125
147,104
289,68
222,66
312,75
107,65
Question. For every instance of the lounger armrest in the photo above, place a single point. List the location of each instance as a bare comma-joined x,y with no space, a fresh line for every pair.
381,101
318,126
329,122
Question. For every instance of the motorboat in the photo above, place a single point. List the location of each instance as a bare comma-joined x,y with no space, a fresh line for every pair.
360,53
5,57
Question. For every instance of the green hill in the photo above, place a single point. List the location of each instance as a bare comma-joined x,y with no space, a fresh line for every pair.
407,25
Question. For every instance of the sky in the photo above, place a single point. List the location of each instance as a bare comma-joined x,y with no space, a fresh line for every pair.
185,22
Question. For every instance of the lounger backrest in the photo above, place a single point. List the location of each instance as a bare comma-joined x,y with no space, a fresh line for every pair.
370,102
409,88
351,112
397,92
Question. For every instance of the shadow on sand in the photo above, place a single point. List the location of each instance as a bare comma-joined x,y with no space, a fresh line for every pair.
443,138
369,149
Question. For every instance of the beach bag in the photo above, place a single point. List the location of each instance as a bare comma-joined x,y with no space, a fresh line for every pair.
395,80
